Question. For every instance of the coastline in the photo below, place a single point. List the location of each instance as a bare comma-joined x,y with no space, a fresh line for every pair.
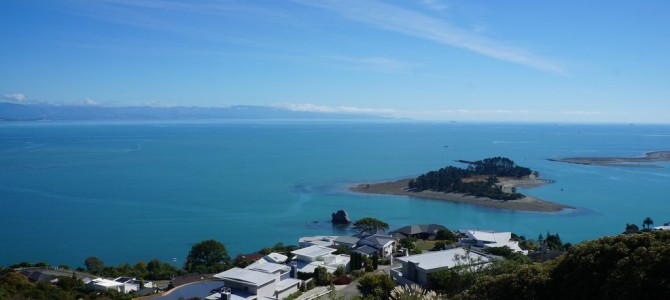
527,203
631,162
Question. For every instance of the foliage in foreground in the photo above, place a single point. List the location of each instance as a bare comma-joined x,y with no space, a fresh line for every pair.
616,267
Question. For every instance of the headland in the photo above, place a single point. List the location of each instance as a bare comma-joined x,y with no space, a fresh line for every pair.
632,162
527,203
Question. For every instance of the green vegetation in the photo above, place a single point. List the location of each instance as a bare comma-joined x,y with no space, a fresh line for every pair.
208,256
16,286
376,286
370,225
451,179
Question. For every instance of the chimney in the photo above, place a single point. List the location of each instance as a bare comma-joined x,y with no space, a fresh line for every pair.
225,293
294,269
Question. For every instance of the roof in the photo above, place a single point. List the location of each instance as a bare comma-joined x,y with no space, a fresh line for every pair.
267,267
106,282
380,239
276,258
441,259
286,283
417,229
314,251
365,249
352,240
488,236
251,277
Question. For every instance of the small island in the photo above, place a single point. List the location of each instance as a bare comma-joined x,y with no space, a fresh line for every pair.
491,182
633,162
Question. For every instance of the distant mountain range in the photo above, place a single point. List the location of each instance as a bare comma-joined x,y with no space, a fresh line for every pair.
36,112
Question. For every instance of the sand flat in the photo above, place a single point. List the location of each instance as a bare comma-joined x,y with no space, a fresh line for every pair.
527,203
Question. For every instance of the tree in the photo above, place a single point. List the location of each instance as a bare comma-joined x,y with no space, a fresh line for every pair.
208,256
632,228
370,225
322,277
446,235
94,265
376,286
647,222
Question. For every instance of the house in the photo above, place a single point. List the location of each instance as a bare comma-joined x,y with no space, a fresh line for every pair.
260,280
122,284
308,259
423,231
415,268
320,240
385,244
101,284
489,239
349,241
276,258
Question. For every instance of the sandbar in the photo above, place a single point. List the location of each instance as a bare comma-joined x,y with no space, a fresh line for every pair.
527,203
632,162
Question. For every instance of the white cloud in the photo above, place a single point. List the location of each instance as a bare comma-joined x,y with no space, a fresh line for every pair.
394,18
85,101
309,107
519,115
434,4
372,63
18,97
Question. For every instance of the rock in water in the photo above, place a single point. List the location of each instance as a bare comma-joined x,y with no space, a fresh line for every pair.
341,217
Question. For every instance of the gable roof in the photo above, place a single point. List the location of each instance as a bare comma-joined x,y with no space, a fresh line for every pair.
365,249
380,239
251,277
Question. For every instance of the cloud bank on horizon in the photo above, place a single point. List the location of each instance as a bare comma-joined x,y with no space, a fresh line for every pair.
424,59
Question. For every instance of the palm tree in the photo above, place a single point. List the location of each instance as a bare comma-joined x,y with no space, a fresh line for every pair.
647,222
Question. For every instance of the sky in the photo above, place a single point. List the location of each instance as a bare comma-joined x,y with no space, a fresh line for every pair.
555,61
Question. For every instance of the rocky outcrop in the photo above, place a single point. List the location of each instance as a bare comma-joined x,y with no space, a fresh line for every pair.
340,217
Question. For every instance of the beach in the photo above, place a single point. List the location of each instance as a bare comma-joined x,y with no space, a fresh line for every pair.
527,203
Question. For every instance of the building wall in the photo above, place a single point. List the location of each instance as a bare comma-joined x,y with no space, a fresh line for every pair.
285,293
266,290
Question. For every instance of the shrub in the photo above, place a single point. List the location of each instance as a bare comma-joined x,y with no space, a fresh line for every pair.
342,280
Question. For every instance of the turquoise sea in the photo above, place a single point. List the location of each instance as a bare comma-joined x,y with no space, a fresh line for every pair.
126,192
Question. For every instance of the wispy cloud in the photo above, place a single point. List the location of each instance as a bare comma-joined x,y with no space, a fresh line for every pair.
449,114
371,63
17,97
401,20
434,4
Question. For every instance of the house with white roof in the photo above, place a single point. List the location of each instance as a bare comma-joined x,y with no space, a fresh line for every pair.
309,258
489,239
319,240
260,280
276,258
415,268
101,284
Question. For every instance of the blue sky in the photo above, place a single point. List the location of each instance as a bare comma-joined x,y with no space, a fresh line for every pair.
566,61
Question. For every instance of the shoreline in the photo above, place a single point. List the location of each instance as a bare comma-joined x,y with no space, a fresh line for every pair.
630,162
528,203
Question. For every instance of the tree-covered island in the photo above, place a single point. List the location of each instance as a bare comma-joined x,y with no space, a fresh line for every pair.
490,182
479,179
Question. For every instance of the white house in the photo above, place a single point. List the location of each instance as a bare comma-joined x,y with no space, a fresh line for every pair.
385,244
276,258
101,284
259,280
308,259
489,239
319,240
415,268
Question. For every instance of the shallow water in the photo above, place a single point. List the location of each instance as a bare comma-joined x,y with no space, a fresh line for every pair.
135,191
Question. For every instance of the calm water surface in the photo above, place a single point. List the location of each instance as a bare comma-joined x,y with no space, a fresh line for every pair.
137,191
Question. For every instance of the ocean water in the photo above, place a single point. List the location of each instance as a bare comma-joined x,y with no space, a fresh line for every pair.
127,192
